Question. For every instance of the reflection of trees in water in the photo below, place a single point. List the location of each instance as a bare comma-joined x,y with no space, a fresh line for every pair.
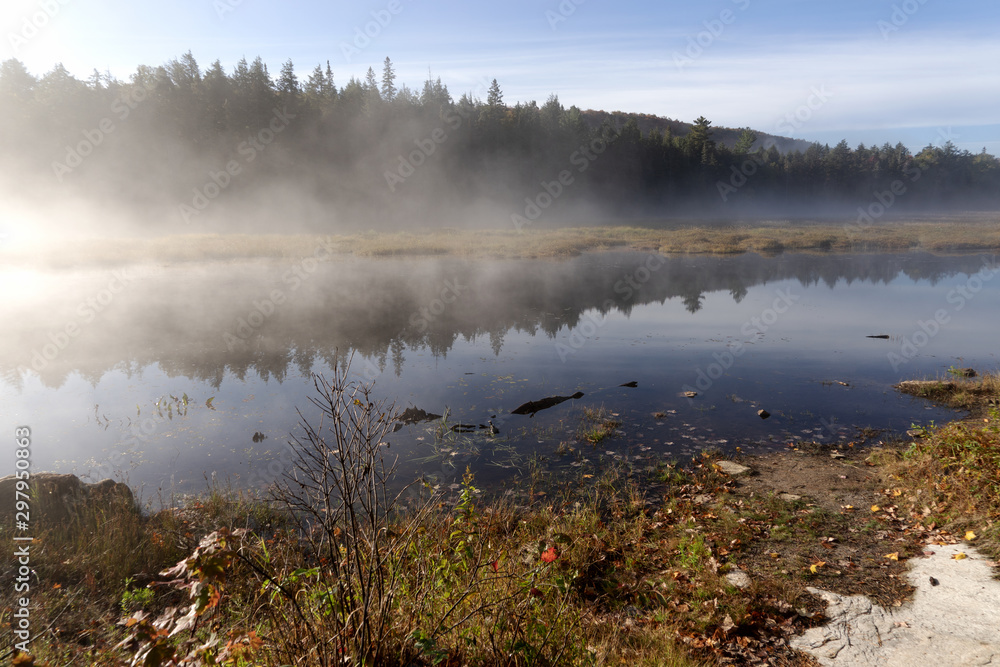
380,308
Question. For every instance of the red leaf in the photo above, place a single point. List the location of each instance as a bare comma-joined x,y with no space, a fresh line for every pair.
549,555
496,565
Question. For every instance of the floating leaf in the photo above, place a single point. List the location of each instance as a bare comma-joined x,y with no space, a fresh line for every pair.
208,403
970,535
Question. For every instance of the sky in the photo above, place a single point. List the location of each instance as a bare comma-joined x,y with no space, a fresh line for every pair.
868,71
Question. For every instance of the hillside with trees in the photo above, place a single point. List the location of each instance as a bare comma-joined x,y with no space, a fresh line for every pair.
174,141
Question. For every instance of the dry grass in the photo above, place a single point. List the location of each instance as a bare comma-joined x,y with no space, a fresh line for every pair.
946,235
950,474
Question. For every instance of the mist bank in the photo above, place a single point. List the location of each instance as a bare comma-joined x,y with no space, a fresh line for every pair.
935,233
179,148
267,318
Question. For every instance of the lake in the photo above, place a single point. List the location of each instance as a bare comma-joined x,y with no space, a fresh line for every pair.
166,375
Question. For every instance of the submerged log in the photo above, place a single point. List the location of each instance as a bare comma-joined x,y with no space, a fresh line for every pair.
531,407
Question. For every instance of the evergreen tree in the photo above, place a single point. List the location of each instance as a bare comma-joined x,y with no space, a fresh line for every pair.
388,81
494,97
288,83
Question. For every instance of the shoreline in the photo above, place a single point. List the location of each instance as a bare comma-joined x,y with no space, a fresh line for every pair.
714,560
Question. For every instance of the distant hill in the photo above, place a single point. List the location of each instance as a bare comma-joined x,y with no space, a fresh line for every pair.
722,135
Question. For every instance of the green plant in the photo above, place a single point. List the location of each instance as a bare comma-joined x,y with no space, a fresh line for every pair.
135,598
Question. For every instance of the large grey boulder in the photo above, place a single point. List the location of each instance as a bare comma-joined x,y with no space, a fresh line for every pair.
62,500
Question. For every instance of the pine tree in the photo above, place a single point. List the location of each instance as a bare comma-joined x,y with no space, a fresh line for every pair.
388,81
331,88
288,83
495,96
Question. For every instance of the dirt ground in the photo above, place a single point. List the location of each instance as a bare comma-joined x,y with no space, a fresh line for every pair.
846,520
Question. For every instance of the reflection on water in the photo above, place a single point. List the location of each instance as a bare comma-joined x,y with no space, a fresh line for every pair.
173,372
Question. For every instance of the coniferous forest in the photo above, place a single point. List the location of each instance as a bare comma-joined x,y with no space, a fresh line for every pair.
185,147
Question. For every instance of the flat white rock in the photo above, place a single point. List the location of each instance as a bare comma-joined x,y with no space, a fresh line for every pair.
956,622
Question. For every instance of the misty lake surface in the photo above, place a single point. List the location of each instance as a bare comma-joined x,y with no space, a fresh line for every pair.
165,375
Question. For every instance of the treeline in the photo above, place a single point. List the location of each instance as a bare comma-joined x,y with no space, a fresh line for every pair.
176,139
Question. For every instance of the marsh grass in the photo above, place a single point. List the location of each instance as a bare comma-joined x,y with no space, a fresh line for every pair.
597,424
950,474
955,234
977,394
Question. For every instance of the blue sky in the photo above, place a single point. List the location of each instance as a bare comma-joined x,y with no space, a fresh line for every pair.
917,71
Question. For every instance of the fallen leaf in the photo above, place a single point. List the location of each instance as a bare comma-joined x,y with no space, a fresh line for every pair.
814,568
893,556
875,508
959,556
970,535
496,565
549,555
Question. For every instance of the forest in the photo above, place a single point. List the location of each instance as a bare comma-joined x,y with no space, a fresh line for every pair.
197,148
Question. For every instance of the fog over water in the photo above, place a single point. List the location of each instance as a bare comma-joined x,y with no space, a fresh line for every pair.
122,362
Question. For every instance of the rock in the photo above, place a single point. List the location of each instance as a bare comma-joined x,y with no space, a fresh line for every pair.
789,497
951,620
62,499
738,578
732,468
413,415
837,455
702,499
633,384
916,432
966,372
689,394
763,414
